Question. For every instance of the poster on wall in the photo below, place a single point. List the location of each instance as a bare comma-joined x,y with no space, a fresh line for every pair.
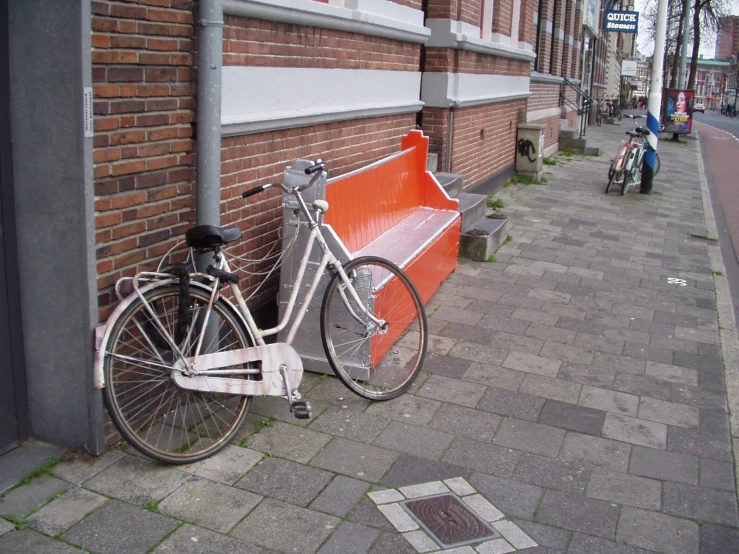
678,116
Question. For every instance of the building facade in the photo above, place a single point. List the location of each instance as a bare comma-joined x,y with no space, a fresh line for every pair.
727,39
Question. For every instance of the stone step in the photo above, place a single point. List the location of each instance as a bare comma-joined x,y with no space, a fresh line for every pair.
472,207
568,134
592,149
484,237
452,183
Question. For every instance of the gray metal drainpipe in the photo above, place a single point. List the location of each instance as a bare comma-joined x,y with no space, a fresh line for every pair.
208,157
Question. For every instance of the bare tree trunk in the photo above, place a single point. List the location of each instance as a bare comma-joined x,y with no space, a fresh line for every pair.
678,47
699,4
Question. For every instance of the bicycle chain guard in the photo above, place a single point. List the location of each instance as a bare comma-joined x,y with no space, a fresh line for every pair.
271,357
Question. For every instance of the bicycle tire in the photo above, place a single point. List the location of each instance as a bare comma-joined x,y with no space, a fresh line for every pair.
627,179
656,164
618,115
373,363
612,174
158,418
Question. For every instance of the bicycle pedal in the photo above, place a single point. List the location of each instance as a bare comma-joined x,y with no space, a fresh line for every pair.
301,409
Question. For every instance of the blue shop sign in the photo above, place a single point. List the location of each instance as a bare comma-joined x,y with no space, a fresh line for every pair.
621,22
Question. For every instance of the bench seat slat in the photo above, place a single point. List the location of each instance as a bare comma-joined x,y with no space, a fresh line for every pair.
407,239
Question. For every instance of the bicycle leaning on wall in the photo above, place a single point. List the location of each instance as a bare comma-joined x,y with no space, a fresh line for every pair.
180,361
627,165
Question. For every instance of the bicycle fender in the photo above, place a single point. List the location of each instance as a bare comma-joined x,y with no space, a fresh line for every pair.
102,333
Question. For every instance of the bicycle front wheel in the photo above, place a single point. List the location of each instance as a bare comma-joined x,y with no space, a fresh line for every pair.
612,177
377,362
161,420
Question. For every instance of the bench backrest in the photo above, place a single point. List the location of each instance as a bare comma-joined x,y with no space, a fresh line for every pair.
369,201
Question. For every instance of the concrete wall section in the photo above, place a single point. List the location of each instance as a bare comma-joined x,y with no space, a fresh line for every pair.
52,167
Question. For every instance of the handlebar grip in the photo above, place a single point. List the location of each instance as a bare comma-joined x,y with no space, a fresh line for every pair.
253,191
318,166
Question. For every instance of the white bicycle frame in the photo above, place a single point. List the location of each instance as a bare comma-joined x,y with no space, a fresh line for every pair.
189,365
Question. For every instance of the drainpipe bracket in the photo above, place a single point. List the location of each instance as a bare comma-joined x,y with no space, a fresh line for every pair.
206,23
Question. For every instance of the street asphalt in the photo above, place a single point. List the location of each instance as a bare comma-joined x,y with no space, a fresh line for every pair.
580,395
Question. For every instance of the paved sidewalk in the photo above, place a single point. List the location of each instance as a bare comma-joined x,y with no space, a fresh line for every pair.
574,397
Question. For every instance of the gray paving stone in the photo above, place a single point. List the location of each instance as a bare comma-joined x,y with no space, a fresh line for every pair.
466,332
340,496
664,465
67,510
642,386
227,466
38,492
668,412
366,513
350,538
599,452
267,408
659,532
578,514
481,353
189,539
625,489
353,459
119,527
31,542
350,424
697,443
288,441
519,343
609,401
569,477
452,390
548,387
5,527
620,364
392,544
411,470
572,417
529,437
137,480
718,540
544,535
712,381
532,364
284,480
698,397
584,544
599,344
647,352
717,475
85,466
456,315
672,373
587,375
701,503
448,366
329,391
712,364
551,333
498,377
407,408
209,504
481,457
510,403
465,422
415,440
713,422
513,498
635,431
286,528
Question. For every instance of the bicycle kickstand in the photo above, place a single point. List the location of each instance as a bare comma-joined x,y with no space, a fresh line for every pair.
300,408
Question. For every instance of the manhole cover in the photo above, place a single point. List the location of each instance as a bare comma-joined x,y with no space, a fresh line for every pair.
448,521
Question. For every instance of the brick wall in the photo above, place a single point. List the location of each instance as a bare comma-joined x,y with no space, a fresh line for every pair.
558,43
502,17
142,69
543,96
545,37
484,140
527,30
460,10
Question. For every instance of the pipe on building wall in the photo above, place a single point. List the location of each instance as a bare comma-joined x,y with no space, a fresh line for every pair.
208,156
450,139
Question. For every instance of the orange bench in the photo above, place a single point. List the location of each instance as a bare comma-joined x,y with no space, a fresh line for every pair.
395,209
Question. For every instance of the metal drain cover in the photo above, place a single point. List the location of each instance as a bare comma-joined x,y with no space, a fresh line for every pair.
449,521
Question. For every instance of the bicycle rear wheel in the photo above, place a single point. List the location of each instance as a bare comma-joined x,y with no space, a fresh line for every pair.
613,176
377,363
163,421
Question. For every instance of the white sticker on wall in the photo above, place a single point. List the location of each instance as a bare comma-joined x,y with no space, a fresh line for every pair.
87,115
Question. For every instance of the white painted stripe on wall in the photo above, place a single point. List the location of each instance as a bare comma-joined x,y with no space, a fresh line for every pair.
536,115
448,33
256,99
445,90
380,18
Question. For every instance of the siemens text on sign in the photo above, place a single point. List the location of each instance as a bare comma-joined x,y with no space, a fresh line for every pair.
621,22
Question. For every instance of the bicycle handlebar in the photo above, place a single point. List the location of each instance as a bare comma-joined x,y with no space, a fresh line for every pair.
317,168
